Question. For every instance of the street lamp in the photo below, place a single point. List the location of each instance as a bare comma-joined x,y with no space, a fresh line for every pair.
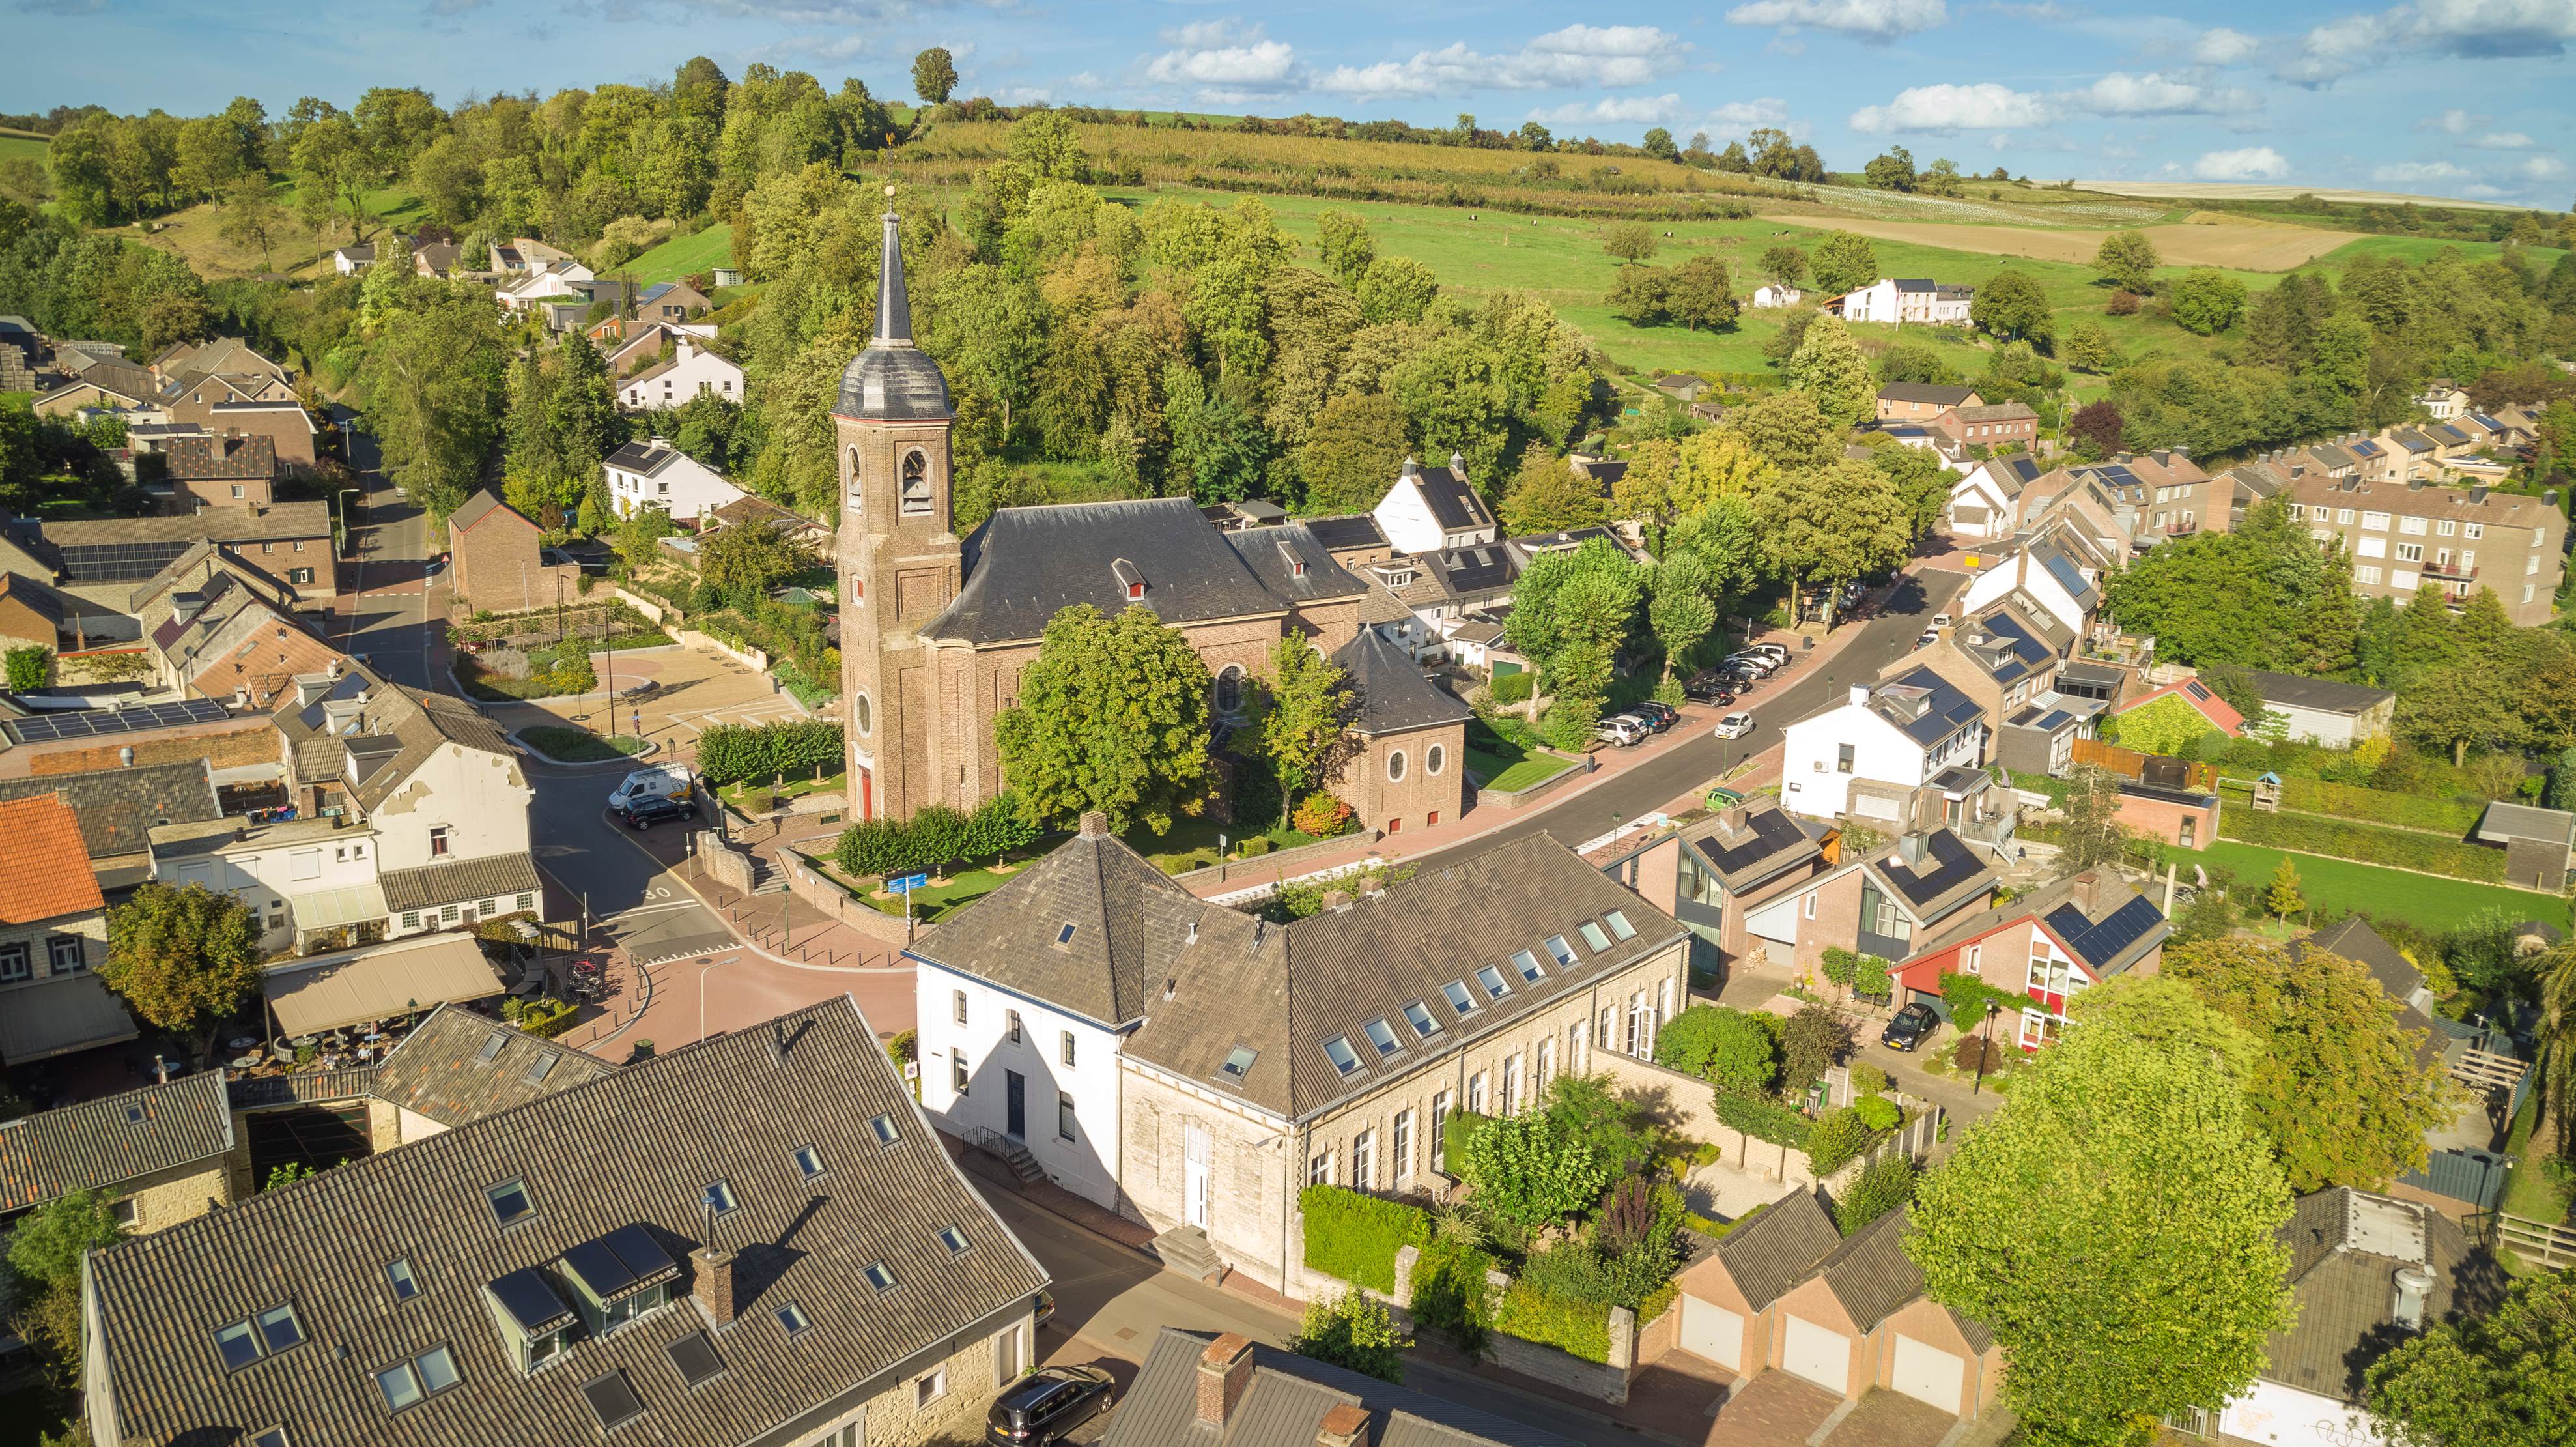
1993,1008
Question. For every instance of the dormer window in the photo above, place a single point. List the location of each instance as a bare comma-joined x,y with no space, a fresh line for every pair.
1418,1015
1131,579
1296,564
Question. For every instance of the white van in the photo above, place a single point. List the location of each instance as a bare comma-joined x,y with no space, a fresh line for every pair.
658,782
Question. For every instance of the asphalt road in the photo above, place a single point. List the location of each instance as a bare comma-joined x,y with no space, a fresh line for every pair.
1782,699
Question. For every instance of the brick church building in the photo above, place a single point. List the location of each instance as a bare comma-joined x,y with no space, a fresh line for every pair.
936,629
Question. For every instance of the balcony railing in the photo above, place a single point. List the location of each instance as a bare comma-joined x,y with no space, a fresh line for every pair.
2463,571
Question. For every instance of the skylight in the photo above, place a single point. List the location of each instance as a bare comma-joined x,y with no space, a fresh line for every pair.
612,1399
1492,980
273,1437
1238,1063
884,1127
1594,937
719,1197
510,1202
1418,1015
1338,1050
1382,1035
879,1275
953,1239
792,1317
247,1340
491,1047
406,1286
406,1384
696,1358
540,1068
1064,936
1557,946
1459,999
1526,963
808,1160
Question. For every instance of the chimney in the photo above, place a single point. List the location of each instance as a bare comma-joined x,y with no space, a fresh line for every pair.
1911,846
2414,1290
714,1288
1095,824
660,444
125,756
1336,898
2086,886
1225,1369
1373,884
1344,1426
1734,819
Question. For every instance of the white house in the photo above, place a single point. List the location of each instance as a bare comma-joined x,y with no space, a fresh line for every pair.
301,878
2046,580
553,279
656,474
1986,499
1894,736
1042,1076
1425,512
1776,295
692,370
1902,299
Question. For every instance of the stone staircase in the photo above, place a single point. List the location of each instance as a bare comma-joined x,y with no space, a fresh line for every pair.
767,877
1185,1249
1017,1157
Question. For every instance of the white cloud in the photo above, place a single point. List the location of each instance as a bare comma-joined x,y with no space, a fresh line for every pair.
2249,163
2158,94
1739,116
2504,141
1084,80
2224,47
2415,173
1983,107
1866,19
1603,56
2452,122
2470,29
1224,62
1637,110
2540,168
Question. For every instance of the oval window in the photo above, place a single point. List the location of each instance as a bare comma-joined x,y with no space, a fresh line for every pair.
1435,758
862,714
1395,766
1229,690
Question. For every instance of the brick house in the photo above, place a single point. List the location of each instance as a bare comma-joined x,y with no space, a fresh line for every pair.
1923,401
116,809
499,559
1411,764
215,471
2401,536
1989,425
53,933
161,1155
101,560
2047,947
551,1273
1877,904
30,614
1710,873
1193,1068
284,422
225,642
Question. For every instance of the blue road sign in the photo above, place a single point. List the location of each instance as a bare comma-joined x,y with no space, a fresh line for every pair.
907,884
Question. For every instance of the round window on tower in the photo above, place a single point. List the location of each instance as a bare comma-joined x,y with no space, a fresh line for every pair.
862,714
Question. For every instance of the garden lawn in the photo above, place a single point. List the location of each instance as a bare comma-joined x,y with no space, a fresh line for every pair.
1192,843
2334,886
792,789
1514,767
2528,1190
579,746
932,903
682,256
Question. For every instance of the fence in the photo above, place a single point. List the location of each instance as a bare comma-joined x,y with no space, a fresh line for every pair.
2552,1248
2130,764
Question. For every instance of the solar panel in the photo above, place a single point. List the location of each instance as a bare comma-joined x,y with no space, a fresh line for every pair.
530,1299
641,1254
597,1267
696,1358
612,1399
2095,943
87,723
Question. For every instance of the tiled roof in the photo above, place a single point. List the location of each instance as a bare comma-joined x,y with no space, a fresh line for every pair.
44,871
99,1144
1776,1250
117,808
277,522
2345,1249
2353,939
220,459
478,507
632,1151
1931,393
1394,697
1767,841
422,723
1870,1274
1284,1403
440,1071
496,876
2322,694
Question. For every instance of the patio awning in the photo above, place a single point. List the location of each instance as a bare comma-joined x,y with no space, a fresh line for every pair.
61,1014
332,908
312,996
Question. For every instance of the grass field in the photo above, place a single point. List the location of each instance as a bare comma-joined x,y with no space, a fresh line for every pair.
683,255
15,147
578,746
2247,244
2334,886
195,233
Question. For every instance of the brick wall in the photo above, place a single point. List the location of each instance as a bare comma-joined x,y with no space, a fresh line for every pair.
496,567
2166,820
1422,797
228,744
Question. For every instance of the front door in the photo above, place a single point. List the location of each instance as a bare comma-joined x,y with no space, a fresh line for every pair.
1194,1137
1015,1090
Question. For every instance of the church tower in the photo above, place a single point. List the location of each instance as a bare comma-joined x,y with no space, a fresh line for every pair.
899,556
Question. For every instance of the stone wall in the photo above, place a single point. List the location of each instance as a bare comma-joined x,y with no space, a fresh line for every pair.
1524,797
183,1193
1607,1381
813,888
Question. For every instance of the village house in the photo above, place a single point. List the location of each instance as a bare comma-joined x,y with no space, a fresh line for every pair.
282,423
1227,1392
1430,512
1192,1067
220,472
1995,425
53,934
117,808
654,473
1898,300
1923,401
159,1155
2402,536
457,1066
2043,583
692,371
1708,874
31,614
224,641
1880,902
1985,501
1867,755
2046,947
100,560
815,538
551,1273
1772,294
501,563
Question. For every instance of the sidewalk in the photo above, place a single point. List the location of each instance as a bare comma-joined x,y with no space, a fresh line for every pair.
777,926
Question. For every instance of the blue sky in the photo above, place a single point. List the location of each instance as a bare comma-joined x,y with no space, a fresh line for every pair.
2467,98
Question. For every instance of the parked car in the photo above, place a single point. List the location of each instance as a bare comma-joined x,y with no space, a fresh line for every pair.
646,810
1912,1026
1926,639
1622,731
1044,1405
1940,620
1735,726
1659,716
1762,664
1776,652
1709,688
1046,1307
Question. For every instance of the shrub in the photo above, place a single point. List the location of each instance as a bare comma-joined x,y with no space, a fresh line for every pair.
1869,978
1514,687
795,748
933,836
1529,1173
1763,1119
1730,1047
1355,1237
1839,964
2370,844
1455,1133
758,801
1451,1294
1355,1333
547,1019
29,667
2453,814
1976,1052
1814,1039
1576,1327
1866,1078
1967,997
1321,815
572,671
1878,1112
1254,847
2123,304
1839,1136
1883,1186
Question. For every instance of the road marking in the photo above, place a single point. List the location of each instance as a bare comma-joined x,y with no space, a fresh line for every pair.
652,908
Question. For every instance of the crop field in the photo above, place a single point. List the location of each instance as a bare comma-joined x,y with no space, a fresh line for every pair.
2182,190
2236,243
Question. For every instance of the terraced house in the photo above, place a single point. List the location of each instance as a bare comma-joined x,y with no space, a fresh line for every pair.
785,1257
1194,1068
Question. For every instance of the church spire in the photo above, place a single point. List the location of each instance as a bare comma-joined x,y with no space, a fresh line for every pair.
894,310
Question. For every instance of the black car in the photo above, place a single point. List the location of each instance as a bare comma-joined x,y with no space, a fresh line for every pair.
1709,690
1044,1405
1662,715
652,809
1911,1027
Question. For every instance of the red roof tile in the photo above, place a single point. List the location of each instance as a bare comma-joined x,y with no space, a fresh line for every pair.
45,871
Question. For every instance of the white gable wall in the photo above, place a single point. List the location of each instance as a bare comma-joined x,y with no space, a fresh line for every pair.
1087,1164
1812,779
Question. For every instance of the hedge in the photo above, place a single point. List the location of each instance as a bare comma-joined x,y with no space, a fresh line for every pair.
1577,1328
2455,814
731,753
1763,1119
1513,687
2366,843
934,836
1453,1139
1355,1237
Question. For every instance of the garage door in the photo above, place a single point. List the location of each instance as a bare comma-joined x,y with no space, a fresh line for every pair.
1712,1331
1822,1357
1929,1374
1873,806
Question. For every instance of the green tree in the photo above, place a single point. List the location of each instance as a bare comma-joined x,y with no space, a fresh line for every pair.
2013,304
1629,242
2505,1378
1548,495
2092,836
29,667
2163,1013
1307,704
2283,896
1701,294
1352,452
1395,289
1892,171
2207,301
2454,707
1113,715
1784,343
1830,368
432,386
2089,349
2128,260
46,1247
934,75
2114,1226
745,561
1681,606
1844,261
1785,264
1829,525
1885,1185
1530,1173
581,411
1353,1331
1572,610
1786,429
1733,1049
2334,1084
1345,244
184,959
1658,143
